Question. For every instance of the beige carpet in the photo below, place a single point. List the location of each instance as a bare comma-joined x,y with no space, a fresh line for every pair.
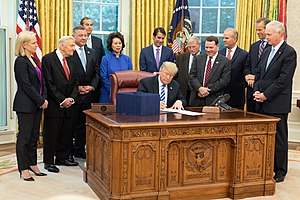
69,184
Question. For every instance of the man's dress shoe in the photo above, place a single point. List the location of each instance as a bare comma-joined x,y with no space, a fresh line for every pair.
51,168
71,158
66,163
279,178
80,155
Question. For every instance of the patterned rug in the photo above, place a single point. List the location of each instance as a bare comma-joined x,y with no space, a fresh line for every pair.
8,163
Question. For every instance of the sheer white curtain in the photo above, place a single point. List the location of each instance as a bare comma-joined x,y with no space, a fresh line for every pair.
3,80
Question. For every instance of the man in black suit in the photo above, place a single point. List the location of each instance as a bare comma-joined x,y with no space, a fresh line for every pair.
209,75
184,64
87,71
153,56
61,82
163,84
237,57
254,56
96,44
273,90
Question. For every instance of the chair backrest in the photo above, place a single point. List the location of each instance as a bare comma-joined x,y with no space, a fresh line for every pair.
125,81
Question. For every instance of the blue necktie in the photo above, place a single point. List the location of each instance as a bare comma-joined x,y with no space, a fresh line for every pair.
271,55
162,93
82,58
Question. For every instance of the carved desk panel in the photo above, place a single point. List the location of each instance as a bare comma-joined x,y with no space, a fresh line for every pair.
174,156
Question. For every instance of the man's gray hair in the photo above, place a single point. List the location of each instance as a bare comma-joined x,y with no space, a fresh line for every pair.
234,32
194,39
63,40
76,28
277,26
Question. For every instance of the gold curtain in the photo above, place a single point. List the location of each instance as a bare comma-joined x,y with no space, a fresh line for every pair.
248,11
55,20
144,17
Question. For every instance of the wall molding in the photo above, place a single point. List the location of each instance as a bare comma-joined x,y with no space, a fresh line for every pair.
7,137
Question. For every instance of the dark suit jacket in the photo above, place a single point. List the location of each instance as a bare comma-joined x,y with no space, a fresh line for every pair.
276,82
251,63
58,86
89,77
147,59
98,47
182,62
217,82
237,84
28,98
150,85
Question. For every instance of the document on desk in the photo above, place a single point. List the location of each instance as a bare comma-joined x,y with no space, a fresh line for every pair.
185,112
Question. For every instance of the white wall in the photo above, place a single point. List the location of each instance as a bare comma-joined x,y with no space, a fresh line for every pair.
293,38
8,20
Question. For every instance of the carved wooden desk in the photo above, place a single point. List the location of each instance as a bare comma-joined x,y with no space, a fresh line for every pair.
174,156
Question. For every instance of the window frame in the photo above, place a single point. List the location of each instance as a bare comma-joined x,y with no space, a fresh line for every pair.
219,35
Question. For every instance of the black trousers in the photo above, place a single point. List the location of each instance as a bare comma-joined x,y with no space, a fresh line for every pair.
80,129
26,147
58,138
281,143
250,100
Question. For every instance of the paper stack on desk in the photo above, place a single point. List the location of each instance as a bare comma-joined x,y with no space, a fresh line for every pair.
185,112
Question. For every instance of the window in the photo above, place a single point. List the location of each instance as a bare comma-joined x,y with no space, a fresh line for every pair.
3,84
212,17
104,14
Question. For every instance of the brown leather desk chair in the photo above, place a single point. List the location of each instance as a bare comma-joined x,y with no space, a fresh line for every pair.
125,81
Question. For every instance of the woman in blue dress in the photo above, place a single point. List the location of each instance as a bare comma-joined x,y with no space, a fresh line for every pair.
115,61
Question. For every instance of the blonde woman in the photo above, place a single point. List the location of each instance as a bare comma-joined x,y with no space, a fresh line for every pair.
30,100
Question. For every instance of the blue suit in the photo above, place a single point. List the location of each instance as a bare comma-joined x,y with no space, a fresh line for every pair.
147,59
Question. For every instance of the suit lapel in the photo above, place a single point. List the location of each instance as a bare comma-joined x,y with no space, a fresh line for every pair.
276,56
161,56
152,54
215,67
155,85
185,65
170,92
236,54
88,58
32,67
202,66
61,68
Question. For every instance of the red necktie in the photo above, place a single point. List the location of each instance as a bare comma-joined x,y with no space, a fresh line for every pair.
228,54
208,69
261,48
66,68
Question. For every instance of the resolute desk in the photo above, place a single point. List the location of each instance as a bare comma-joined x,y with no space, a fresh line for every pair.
174,156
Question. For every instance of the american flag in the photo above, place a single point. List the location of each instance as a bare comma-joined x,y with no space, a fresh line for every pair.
181,26
28,20
175,47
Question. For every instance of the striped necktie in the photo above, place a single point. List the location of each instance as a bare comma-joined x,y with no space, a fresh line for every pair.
261,48
162,93
208,69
